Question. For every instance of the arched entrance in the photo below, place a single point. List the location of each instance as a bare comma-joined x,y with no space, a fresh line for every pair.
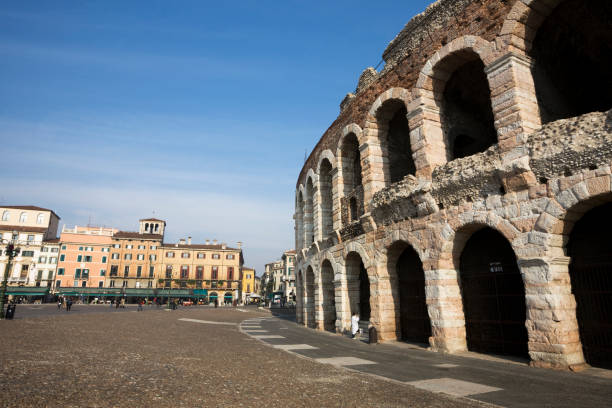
358,286
329,296
228,298
325,188
395,138
309,306
493,295
414,320
212,297
590,249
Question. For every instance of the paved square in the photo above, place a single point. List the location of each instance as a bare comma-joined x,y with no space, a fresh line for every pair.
454,387
266,336
207,322
344,361
446,365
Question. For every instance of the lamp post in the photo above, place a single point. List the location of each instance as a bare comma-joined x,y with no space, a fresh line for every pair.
11,252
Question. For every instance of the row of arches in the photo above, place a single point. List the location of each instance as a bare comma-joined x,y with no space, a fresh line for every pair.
491,285
457,109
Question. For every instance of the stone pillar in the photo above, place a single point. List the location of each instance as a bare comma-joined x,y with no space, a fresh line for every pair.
337,182
299,307
516,112
373,166
554,339
343,308
384,313
318,303
426,137
445,309
316,211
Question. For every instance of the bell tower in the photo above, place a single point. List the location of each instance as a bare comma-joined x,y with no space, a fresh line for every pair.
152,226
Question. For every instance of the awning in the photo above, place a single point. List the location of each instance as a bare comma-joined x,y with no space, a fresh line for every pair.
228,296
16,293
27,291
254,295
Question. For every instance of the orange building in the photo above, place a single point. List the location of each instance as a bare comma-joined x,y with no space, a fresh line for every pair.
84,257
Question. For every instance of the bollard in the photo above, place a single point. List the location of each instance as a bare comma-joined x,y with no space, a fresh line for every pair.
373,335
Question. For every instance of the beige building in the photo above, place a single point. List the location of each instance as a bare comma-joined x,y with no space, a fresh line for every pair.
135,257
248,283
462,198
212,270
34,231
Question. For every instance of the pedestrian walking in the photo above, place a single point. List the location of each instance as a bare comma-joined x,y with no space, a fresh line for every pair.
140,305
68,304
59,304
354,325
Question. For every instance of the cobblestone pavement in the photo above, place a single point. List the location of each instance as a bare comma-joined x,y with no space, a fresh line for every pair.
155,359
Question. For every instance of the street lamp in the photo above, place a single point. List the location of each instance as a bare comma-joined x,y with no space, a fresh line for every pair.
11,252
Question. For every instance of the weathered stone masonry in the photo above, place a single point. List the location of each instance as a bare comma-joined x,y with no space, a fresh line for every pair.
469,214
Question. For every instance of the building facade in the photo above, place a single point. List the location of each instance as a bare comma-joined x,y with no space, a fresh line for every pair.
248,284
34,231
461,199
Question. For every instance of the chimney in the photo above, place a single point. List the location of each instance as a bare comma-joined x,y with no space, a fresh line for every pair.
207,242
239,245
189,240
223,245
214,242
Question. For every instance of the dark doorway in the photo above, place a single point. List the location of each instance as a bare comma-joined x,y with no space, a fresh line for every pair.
364,294
358,286
590,249
572,54
493,296
400,152
329,296
414,320
310,300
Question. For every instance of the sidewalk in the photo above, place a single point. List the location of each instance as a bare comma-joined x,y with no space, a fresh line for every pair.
479,377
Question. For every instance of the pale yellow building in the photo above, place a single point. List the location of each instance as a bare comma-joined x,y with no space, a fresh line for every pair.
248,284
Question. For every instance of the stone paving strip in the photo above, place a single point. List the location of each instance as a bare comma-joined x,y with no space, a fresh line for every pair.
453,387
344,361
207,322
289,347
266,336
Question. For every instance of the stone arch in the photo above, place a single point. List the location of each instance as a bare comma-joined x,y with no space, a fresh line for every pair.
390,155
463,57
309,290
329,155
357,287
359,249
299,218
326,195
309,210
328,295
350,176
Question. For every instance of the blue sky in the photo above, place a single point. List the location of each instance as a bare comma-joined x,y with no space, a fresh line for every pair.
196,112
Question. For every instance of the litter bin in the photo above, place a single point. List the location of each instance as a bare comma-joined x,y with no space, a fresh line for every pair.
10,311
372,335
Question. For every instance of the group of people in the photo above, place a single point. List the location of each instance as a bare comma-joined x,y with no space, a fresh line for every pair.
67,302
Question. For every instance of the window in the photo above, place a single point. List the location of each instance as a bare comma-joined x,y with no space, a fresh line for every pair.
80,248
30,238
229,256
215,256
126,270
44,249
248,288
5,216
62,257
77,274
169,254
127,257
42,259
215,273
111,284
129,246
23,217
201,255
140,257
290,271
151,271
55,250
168,271
142,247
63,246
124,284
27,253
115,255
89,249
103,259
105,249
60,271
152,257
116,246
79,258
76,283
248,276
85,274
102,272
149,284
184,272
230,273
100,284
185,255
153,247
53,259
114,270
40,218
199,272
139,271
58,284
87,258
